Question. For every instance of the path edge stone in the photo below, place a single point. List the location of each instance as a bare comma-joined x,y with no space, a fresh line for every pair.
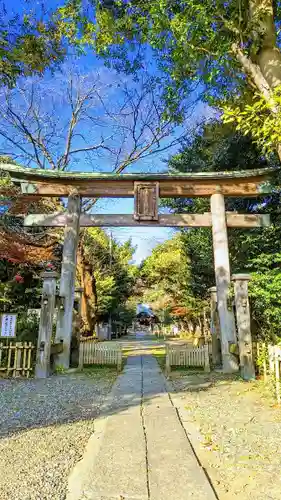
81,469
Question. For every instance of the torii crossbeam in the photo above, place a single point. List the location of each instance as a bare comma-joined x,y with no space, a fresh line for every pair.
146,190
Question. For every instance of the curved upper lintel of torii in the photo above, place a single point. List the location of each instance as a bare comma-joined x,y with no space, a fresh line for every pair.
56,183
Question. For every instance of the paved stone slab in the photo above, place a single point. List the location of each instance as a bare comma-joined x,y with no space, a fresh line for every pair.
120,468
174,472
139,450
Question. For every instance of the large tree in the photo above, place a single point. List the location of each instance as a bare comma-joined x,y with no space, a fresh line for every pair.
232,48
106,275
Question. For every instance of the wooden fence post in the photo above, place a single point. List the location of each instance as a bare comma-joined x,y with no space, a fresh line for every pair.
19,359
42,368
277,373
119,362
168,366
264,362
271,359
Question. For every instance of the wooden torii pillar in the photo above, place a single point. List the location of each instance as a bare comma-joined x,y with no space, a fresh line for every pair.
146,188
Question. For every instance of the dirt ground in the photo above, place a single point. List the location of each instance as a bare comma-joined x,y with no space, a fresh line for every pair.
44,427
238,439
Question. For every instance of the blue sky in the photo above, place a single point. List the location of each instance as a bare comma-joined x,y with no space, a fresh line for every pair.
143,238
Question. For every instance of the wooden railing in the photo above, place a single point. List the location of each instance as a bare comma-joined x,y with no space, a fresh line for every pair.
187,356
92,352
16,359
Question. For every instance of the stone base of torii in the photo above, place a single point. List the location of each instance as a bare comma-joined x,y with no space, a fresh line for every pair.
242,348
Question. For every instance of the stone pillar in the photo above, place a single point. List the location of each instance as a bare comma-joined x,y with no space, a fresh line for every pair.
243,319
222,272
42,368
67,281
215,327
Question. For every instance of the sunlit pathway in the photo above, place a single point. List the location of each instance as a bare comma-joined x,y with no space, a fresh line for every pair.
139,449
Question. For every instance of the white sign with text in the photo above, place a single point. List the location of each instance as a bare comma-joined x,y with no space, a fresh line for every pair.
8,325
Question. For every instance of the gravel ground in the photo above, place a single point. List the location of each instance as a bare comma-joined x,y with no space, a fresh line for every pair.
44,427
240,430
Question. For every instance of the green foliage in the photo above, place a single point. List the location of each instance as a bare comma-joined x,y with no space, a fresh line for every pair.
113,274
190,41
218,147
198,250
260,119
265,294
125,312
18,296
167,282
230,48
167,264
28,45
27,328
60,370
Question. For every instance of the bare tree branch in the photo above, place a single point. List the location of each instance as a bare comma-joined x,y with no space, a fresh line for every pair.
74,118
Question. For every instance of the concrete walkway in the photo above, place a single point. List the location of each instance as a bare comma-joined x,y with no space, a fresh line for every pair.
139,450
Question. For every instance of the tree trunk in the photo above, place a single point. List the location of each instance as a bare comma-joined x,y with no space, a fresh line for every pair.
269,60
87,309
87,281
264,67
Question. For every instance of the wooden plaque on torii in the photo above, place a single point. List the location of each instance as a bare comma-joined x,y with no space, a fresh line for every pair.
146,201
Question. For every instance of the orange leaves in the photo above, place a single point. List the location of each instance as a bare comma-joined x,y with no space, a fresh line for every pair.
19,251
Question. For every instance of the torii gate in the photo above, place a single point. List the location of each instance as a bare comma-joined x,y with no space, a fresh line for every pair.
146,190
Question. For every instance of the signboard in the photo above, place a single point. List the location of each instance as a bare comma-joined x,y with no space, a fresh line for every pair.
8,325
146,201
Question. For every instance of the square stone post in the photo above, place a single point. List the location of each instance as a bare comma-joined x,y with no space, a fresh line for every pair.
215,327
67,281
222,272
243,319
43,353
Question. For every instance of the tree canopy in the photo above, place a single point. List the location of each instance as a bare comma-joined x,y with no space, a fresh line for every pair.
29,43
166,277
231,49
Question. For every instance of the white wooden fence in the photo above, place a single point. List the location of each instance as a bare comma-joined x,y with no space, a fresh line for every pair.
92,352
267,361
16,359
187,356
274,355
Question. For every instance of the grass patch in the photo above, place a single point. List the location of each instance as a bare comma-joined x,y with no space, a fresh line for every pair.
160,355
100,371
188,369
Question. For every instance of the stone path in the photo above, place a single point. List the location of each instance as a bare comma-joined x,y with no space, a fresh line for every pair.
139,450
